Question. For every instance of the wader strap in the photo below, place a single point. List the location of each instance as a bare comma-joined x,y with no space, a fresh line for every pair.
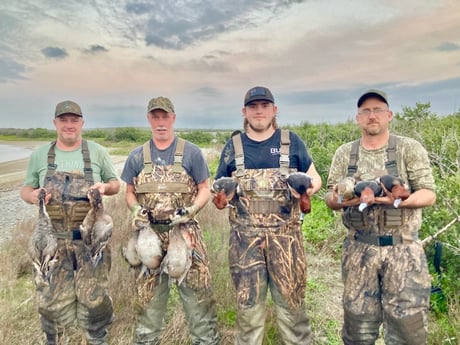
179,155
88,171
390,165
87,162
51,160
353,163
284,152
147,158
239,155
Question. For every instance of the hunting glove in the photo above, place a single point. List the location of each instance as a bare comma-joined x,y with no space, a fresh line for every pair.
183,215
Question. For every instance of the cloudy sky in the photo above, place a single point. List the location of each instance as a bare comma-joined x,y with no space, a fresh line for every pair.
316,56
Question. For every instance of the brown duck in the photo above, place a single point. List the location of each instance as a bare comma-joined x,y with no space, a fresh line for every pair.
42,244
97,227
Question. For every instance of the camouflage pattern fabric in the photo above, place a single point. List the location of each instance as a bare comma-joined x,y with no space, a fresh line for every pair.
399,294
265,201
69,203
163,204
153,286
406,283
266,252
74,290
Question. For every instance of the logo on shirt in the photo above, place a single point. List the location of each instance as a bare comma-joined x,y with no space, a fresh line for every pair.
275,151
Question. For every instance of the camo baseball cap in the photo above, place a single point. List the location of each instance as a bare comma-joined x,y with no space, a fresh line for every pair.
373,93
258,93
162,103
67,107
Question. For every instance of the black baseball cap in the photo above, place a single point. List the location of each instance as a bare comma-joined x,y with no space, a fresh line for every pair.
258,93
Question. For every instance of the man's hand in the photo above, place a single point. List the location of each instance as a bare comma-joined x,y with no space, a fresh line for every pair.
139,214
184,215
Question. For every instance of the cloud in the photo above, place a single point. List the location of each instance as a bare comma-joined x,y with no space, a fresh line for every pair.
177,25
448,47
11,70
54,53
95,49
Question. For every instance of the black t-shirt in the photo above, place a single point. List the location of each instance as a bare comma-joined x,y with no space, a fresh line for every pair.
264,154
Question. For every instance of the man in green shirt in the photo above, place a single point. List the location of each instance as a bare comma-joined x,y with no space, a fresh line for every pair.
71,288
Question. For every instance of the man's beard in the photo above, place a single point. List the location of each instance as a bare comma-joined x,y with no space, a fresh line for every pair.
259,130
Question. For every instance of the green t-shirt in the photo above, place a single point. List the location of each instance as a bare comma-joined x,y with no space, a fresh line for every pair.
69,161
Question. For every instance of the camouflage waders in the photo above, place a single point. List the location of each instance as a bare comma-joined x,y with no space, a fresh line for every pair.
163,189
74,290
267,252
384,268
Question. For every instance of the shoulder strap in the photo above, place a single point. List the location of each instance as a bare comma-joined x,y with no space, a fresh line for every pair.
391,164
354,153
284,152
147,157
239,154
51,160
87,162
179,155
87,170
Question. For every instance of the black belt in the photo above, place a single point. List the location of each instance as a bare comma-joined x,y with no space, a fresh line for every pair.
379,240
68,235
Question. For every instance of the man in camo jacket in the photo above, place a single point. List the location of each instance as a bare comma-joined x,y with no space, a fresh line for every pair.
384,268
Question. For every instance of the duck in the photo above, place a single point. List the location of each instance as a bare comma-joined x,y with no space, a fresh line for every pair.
346,188
148,246
396,187
224,189
298,183
96,228
367,191
42,245
178,258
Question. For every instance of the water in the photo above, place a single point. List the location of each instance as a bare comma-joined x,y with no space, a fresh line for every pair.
11,152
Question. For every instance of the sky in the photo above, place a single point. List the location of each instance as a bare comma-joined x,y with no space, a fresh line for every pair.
316,56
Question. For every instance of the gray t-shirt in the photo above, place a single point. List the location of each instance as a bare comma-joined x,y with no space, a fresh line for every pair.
193,161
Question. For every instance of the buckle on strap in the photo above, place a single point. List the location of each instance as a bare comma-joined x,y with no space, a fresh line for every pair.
68,235
379,240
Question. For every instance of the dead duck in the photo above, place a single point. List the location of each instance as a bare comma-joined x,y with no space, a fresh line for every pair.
396,187
42,244
298,183
367,191
178,259
148,246
346,188
224,190
97,226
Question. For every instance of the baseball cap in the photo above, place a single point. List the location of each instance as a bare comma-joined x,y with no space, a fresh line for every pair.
258,93
162,103
67,107
373,93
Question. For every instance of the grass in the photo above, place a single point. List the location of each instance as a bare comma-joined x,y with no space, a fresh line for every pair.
19,322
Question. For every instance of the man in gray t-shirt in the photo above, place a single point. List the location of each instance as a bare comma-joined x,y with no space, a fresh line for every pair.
167,184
